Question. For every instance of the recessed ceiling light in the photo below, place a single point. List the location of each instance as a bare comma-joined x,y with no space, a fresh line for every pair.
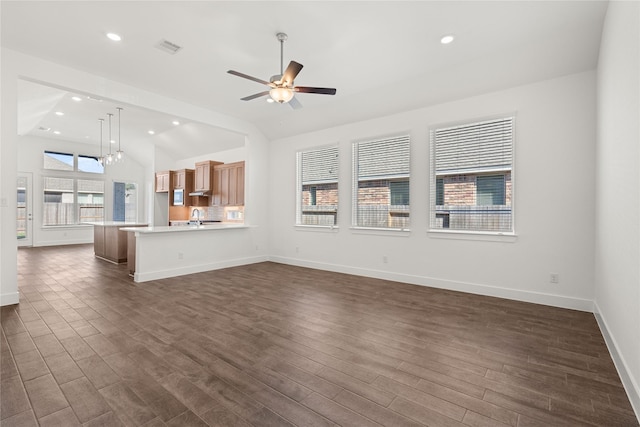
151,132
76,98
270,100
113,36
113,141
59,113
447,39
175,122
57,132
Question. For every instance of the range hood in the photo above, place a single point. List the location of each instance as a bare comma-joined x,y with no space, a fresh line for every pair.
200,193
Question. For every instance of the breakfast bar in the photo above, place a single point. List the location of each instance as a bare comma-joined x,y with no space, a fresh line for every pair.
164,251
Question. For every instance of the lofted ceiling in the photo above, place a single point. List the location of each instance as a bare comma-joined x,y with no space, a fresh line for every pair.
382,56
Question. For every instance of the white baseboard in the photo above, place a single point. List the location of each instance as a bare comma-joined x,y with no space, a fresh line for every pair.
9,299
472,288
62,242
630,384
164,274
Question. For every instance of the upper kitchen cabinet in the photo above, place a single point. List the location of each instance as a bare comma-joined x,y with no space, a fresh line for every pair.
183,178
204,179
229,184
163,181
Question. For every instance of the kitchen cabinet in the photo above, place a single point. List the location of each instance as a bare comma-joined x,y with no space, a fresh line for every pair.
183,178
163,181
204,179
229,184
109,242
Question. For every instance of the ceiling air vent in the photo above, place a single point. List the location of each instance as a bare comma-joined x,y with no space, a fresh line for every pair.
167,46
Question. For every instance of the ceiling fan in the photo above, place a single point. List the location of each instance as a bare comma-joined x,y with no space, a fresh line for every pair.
282,87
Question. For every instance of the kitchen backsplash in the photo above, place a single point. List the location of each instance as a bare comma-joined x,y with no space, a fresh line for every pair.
233,214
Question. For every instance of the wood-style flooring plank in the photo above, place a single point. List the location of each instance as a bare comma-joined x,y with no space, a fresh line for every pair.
275,345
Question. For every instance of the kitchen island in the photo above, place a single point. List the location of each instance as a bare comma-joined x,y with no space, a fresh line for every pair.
109,243
164,251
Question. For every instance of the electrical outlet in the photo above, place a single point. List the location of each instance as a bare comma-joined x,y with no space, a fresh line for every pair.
554,278
297,249
385,259
180,255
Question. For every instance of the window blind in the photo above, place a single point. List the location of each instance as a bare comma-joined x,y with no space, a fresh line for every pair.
381,182
474,147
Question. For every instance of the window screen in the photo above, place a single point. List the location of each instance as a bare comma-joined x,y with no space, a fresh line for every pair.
317,189
471,176
381,183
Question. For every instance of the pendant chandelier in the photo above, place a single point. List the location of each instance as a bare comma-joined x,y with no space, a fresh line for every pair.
118,156
101,159
119,153
109,159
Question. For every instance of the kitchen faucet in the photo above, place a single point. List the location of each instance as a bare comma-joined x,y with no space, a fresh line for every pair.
197,212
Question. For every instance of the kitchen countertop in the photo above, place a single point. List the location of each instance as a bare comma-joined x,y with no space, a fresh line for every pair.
183,228
116,223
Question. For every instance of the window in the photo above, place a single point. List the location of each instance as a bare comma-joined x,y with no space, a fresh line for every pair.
313,193
399,191
59,202
490,190
381,183
471,178
90,200
58,161
89,164
317,189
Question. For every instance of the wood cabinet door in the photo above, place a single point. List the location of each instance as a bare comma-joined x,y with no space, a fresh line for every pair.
217,189
200,174
239,184
179,179
224,186
162,182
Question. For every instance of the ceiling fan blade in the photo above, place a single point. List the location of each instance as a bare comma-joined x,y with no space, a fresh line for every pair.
255,95
290,73
320,90
245,76
295,104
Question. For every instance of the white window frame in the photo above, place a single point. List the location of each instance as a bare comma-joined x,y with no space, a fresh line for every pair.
401,137
489,235
299,185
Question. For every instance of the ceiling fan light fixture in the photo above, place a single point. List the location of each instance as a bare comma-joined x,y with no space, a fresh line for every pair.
281,95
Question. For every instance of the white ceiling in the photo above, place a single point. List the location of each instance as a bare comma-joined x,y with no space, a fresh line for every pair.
382,56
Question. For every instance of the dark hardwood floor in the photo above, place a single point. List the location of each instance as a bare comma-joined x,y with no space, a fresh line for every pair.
276,345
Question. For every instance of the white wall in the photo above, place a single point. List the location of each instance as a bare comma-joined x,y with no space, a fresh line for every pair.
30,159
554,201
617,266
16,65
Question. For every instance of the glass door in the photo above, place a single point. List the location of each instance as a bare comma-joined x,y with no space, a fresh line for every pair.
24,214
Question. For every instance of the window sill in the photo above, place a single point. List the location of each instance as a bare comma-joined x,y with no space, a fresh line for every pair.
317,228
405,232
473,235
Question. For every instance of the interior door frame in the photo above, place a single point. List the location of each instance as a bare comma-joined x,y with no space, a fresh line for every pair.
28,240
